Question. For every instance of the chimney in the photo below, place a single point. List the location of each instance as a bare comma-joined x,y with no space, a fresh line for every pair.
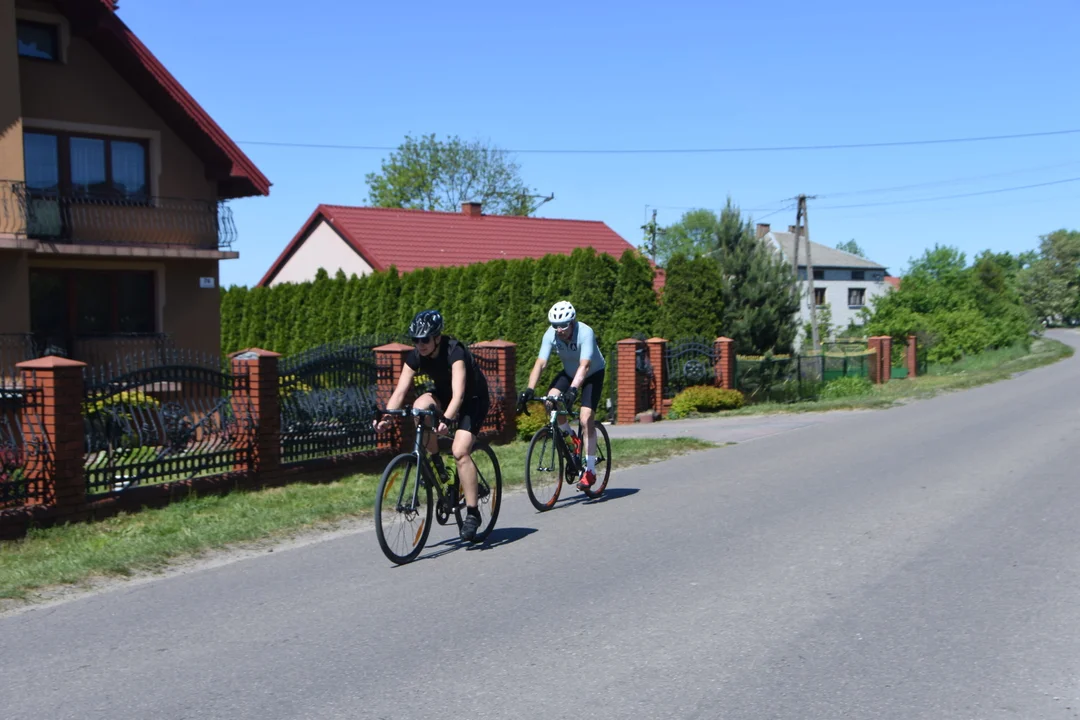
762,230
472,209
791,229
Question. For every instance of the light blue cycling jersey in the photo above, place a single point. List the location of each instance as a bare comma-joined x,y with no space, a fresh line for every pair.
582,342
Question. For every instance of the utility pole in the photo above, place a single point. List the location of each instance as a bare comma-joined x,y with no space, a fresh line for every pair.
652,229
802,223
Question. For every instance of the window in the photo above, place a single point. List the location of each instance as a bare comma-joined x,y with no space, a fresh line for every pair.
819,296
37,40
858,274
819,274
856,297
87,166
91,302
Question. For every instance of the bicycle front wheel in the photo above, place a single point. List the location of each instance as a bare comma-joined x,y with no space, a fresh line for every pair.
489,489
402,512
543,470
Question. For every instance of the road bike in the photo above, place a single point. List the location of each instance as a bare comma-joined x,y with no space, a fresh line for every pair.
554,457
403,505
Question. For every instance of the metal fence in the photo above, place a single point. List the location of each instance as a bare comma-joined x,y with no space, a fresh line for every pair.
488,361
24,445
328,400
688,362
795,377
164,423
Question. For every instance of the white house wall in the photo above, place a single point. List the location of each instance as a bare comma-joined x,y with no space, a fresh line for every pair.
322,248
836,296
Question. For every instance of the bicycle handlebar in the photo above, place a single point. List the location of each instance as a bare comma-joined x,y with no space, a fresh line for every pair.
557,399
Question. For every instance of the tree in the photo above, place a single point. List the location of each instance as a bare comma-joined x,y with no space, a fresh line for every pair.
1050,285
692,305
693,235
430,174
851,247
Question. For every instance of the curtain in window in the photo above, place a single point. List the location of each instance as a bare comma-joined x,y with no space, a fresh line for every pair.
88,166
129,168
42,162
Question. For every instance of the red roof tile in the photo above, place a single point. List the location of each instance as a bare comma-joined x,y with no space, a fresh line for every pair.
892,280
412,239
236,174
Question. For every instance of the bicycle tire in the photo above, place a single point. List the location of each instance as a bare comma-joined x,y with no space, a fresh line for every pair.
386,487
598,488
538,503
494,499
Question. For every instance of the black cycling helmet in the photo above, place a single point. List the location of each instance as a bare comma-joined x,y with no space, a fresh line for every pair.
427,323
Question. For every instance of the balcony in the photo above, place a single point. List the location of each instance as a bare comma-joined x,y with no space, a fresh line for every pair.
97,220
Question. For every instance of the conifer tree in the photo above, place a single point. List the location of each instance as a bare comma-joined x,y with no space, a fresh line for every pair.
692,305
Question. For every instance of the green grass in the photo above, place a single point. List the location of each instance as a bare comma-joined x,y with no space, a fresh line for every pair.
987,367
149,540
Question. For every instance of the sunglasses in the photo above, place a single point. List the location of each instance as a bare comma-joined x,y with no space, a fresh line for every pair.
422,340
564,326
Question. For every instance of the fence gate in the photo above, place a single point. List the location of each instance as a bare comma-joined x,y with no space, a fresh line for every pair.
165,424
328,401
689,363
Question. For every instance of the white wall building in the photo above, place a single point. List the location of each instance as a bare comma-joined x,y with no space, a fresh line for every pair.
844,281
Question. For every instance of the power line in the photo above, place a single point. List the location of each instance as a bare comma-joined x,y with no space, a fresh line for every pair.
627,151
950,197
935,183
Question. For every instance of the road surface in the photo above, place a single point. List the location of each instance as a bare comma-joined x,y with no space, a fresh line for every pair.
915,563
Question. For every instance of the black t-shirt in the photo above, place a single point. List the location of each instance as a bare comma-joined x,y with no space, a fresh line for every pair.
438,370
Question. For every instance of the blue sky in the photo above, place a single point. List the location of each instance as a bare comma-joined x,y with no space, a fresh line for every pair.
561,75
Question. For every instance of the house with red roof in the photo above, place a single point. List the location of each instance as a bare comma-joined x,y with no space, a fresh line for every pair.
114,185
361,240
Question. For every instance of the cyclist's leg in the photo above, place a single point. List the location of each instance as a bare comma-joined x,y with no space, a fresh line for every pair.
424,402
590,398
470,420
561,385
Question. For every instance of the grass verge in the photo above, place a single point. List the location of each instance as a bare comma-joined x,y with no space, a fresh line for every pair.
149,540
973,371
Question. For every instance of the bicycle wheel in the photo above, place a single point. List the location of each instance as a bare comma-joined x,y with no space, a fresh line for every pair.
489,487
603,461
401,525
543,481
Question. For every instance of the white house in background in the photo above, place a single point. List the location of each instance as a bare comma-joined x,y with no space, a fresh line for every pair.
846,282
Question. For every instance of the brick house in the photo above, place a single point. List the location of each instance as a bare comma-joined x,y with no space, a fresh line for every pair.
360,240
113,190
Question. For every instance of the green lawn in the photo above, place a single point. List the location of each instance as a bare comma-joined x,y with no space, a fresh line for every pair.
151,539
980,369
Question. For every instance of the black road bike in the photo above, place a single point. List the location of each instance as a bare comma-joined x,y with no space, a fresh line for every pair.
553,457
404,507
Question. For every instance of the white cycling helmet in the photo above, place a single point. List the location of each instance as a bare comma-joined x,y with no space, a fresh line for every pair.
561,312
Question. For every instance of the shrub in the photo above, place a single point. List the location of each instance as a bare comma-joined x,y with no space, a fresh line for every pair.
846,387
527,425
705,398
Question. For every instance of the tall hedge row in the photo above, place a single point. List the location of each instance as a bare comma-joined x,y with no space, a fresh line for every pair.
506,299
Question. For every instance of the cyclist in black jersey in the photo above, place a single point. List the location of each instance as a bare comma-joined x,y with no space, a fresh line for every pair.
460,393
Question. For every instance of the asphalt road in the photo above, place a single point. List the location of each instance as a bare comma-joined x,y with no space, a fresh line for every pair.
919,562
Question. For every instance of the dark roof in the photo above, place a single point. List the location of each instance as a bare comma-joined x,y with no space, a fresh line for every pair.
412,239
235,173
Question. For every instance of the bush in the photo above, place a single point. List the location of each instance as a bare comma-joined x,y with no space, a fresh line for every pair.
846,387
705,398
527,425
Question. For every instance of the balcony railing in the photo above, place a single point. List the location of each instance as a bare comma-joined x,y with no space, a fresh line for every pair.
88,219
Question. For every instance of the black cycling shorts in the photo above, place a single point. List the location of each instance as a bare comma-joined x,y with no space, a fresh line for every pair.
590,389
473,412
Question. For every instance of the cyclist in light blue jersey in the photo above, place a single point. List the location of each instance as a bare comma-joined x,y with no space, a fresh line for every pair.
575,343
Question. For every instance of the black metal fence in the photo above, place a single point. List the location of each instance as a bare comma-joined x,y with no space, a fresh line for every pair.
795,377
328,400
488,361
688,362
164,423
24,445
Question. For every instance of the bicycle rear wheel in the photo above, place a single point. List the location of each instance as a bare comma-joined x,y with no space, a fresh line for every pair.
489,487
603,461
402,525
543,470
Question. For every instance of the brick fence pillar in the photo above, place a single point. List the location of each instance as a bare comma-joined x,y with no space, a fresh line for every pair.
389,359
724,350
626,390
912,356
657,349
262,403
876,346
57,411
506,375
886,358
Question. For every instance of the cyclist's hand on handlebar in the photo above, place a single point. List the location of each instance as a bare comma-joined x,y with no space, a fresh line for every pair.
571,396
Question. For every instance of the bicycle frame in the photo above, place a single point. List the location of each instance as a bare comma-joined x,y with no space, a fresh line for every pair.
423,461
558,403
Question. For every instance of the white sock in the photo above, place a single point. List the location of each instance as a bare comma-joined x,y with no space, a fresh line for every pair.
590,462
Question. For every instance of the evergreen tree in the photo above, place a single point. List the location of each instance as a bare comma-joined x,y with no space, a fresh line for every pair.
388,299
692,305
634,303
492,300
233,302
253,329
